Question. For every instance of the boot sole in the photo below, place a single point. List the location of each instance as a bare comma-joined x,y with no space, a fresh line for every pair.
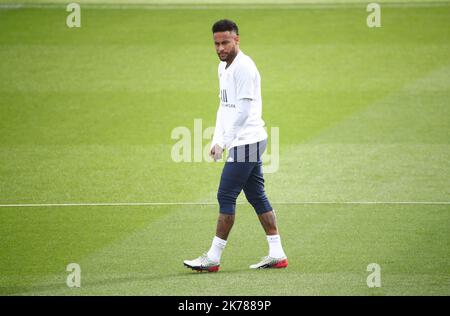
279,265
200,269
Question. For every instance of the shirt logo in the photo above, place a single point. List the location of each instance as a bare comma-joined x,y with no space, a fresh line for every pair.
223,95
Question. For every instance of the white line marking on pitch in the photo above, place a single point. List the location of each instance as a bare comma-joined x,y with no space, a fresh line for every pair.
214,203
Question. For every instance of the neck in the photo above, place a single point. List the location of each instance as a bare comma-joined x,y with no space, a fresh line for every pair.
232,58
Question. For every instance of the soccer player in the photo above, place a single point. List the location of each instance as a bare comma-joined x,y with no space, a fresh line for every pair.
240,129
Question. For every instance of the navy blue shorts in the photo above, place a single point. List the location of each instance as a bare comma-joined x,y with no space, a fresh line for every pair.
243,171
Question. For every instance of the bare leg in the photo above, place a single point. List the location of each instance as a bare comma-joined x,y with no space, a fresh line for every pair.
269,223
224,224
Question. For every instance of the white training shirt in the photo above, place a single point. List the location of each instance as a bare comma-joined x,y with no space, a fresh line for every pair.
239,119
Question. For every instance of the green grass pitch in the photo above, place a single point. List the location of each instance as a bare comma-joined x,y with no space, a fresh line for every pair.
86,116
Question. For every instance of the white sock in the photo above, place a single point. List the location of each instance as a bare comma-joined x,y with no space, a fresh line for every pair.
215,252
275,248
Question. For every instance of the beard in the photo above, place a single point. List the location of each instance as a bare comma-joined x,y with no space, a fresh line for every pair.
224,58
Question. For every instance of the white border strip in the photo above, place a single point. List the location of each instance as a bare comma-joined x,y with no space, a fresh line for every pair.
215,203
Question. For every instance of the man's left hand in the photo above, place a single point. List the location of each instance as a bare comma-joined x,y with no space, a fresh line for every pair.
216,152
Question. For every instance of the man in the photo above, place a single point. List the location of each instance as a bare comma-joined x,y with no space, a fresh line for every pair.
240,129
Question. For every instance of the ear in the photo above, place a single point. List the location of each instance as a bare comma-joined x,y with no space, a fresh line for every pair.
237,39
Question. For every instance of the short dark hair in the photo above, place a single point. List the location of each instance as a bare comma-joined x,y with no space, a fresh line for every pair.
225,25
